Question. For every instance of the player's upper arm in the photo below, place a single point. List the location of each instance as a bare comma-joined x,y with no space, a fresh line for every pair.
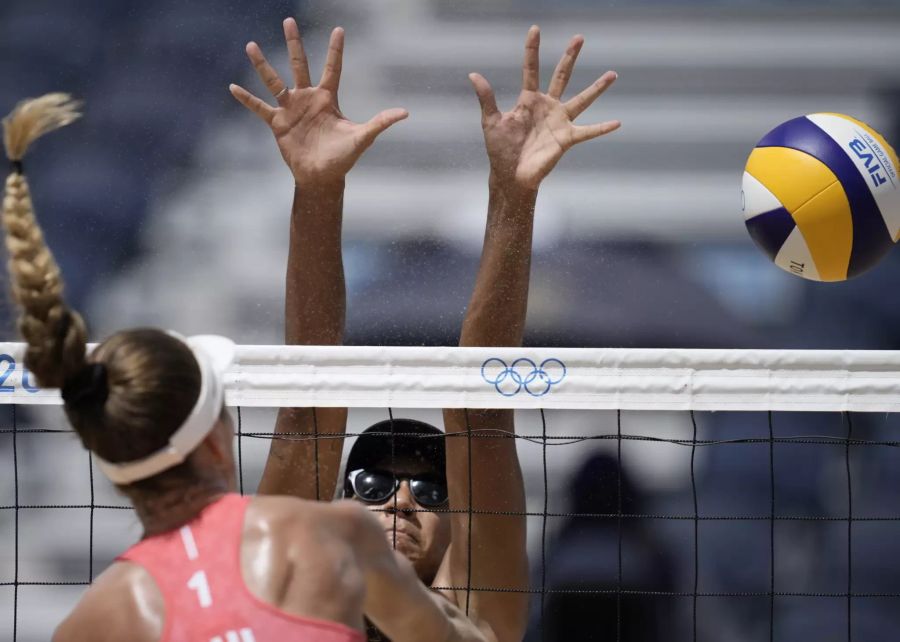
65,632
83,626
109,610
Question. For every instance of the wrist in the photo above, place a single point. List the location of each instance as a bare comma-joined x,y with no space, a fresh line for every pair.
320,186
319,201
512,190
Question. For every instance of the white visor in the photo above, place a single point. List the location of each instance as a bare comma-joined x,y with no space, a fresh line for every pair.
214,354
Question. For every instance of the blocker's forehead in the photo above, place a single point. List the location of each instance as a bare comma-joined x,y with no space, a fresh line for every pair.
408,464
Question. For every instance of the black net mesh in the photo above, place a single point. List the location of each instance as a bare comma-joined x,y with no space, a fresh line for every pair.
761,526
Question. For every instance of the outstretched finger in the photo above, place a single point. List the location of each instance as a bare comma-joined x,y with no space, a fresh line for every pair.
331,76
563,70
299,64
587,132
485,96
265,71
251,102
582,101
378,123
531,66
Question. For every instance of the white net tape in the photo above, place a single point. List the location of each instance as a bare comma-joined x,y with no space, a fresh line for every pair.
571,378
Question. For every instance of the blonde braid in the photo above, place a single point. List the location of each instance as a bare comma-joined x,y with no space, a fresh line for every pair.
55,334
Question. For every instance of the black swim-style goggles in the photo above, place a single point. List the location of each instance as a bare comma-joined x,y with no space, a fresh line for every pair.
378,486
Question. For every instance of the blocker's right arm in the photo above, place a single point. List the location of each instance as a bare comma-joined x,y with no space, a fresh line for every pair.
320,146
314,315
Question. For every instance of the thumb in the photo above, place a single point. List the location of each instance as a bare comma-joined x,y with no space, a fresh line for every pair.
380,122
485,95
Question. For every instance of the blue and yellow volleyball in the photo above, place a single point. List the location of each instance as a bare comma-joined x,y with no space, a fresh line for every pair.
821,196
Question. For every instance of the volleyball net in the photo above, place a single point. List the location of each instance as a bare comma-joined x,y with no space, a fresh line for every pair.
671,494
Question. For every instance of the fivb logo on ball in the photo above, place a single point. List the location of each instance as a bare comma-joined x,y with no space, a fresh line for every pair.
821,196
875,159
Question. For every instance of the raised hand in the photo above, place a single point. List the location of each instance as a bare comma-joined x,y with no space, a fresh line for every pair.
524,144
319,144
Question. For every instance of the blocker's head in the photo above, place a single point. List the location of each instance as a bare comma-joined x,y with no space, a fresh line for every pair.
397,467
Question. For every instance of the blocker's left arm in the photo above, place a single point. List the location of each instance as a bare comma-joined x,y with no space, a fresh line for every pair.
523,146
320,146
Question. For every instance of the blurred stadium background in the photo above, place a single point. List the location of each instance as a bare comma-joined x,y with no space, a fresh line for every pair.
168,205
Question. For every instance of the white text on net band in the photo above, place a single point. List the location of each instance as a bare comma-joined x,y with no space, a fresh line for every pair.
572,378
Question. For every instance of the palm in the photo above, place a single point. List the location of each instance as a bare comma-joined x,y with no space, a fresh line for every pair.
530,139
317,141
526,143
314,137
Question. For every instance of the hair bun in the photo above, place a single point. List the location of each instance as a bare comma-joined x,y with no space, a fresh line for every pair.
88,386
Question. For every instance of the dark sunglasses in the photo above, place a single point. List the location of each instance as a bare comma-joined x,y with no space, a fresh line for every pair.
377,487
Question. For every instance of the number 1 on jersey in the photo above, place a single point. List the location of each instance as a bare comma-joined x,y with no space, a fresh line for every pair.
198,583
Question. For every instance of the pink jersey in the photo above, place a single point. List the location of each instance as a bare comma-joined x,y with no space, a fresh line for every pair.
198,571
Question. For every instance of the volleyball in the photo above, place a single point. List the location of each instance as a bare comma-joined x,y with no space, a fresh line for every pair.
821,196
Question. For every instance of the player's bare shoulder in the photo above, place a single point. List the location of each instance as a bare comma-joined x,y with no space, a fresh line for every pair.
315,539
123,603
292,527
282,512
296,526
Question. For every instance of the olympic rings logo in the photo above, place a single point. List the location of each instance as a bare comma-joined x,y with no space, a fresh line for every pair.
523,374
